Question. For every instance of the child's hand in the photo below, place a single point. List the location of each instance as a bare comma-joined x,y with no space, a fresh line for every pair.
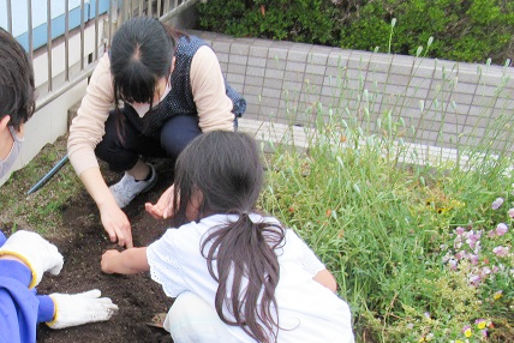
163,208
109,261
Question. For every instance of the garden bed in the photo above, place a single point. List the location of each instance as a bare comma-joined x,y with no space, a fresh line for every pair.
137,296
421,254
80,237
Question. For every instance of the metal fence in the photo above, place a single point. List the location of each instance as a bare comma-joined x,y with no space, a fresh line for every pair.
73,19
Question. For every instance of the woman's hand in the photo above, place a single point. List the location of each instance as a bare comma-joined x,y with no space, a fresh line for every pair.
109,261
163,209
116,224
114,220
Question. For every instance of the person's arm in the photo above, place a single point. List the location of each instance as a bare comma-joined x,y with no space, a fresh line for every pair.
130,261
46,309
88,127
209,93
86,131
326,278
18,304
310,262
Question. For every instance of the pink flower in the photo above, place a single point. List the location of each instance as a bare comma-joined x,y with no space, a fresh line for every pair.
496,269
501,229
460,255
484,272
477,248
472,238
511,212
459,230
453,264
501,251
497,203
475,280
484,333
473,259
491,234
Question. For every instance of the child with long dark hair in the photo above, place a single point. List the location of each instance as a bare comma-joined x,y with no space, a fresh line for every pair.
237,276
171,88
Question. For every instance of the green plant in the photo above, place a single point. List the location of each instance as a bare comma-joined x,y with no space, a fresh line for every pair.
464,30
301,20
385,227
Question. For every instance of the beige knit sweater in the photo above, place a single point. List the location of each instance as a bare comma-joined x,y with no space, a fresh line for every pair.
88,127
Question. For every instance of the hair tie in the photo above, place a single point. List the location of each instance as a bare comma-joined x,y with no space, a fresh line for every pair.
247,215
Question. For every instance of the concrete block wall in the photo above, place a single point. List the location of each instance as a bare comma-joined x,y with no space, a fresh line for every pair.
440,103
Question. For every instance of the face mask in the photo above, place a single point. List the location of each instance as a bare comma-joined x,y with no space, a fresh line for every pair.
5,165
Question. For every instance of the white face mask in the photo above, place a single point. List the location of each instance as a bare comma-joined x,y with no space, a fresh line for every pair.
6,165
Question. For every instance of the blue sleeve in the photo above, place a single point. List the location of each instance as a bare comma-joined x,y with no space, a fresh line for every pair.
18,305
2,238
46,309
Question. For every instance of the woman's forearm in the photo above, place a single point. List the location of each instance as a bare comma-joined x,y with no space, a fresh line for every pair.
96,187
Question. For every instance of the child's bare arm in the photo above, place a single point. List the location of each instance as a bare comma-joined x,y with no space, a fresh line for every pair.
326,278
130,261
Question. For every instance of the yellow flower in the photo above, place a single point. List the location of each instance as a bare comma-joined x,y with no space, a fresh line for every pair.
497,295
421,340
481,324
459,341
468,332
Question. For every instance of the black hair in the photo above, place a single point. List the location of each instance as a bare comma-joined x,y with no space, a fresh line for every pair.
225,168
141,54
17,97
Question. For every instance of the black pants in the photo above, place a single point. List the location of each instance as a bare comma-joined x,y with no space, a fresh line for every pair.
122,153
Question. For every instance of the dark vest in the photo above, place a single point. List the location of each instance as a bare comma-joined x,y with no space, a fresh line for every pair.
180,98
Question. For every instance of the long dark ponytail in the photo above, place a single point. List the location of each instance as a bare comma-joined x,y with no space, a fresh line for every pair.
225,169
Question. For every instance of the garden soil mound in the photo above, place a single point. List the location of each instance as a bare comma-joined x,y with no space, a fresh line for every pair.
82,242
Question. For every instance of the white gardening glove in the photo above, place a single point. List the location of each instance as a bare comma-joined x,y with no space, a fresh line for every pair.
80,308
36,252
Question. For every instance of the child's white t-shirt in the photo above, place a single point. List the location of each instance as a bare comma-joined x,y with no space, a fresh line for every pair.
308,311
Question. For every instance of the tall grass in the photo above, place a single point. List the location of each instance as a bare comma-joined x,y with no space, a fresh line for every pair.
386,227
382,230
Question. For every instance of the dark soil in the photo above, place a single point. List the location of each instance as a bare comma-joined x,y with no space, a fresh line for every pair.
82,242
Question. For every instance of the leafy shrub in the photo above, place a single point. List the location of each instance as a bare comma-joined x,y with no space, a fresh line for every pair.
465,30
307,21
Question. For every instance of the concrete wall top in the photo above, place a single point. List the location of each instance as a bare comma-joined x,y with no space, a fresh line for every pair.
439,102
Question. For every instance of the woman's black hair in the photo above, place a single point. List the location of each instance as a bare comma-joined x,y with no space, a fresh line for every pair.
141,53
16,81
224,170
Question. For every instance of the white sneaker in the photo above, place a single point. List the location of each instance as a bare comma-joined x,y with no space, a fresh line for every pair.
128,188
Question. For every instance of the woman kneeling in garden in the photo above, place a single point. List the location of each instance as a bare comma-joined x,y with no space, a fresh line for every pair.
173,90
237,276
